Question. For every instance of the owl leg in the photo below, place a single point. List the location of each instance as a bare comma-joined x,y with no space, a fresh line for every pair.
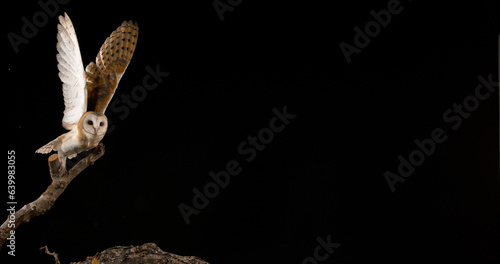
62,161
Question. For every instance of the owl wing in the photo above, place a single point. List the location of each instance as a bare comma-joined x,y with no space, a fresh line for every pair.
71,73
102,77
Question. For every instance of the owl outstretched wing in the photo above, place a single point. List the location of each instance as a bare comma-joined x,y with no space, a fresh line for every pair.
102,77
71,73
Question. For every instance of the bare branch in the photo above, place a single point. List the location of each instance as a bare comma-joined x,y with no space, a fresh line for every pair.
56,257
147,253
55,189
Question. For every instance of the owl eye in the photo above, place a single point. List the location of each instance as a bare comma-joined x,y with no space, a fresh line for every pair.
101,124
90,122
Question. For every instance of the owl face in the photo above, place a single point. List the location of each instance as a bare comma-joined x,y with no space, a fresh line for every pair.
94,123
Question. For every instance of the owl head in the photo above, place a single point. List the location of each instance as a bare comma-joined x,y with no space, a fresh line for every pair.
94,123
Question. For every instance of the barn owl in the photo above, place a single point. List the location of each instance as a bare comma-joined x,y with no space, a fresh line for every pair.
87,92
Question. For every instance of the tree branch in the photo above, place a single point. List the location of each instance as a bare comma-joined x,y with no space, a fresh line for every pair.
147,253
59,183
56,257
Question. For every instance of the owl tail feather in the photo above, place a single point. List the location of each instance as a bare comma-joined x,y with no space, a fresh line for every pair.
47,148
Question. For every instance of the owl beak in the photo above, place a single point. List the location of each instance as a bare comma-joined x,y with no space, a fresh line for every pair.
99,129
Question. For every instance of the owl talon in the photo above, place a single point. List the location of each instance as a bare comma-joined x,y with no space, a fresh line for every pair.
62,171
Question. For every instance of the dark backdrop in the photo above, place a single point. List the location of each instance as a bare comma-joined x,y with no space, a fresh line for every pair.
320,178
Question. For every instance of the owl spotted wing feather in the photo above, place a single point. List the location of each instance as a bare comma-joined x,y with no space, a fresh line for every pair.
47,148
103,76
71,73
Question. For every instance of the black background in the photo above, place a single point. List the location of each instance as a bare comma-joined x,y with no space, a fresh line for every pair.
321,176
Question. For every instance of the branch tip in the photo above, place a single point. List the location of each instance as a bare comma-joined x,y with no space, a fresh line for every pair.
56,257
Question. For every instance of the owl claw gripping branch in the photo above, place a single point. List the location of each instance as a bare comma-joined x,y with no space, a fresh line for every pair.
87,92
